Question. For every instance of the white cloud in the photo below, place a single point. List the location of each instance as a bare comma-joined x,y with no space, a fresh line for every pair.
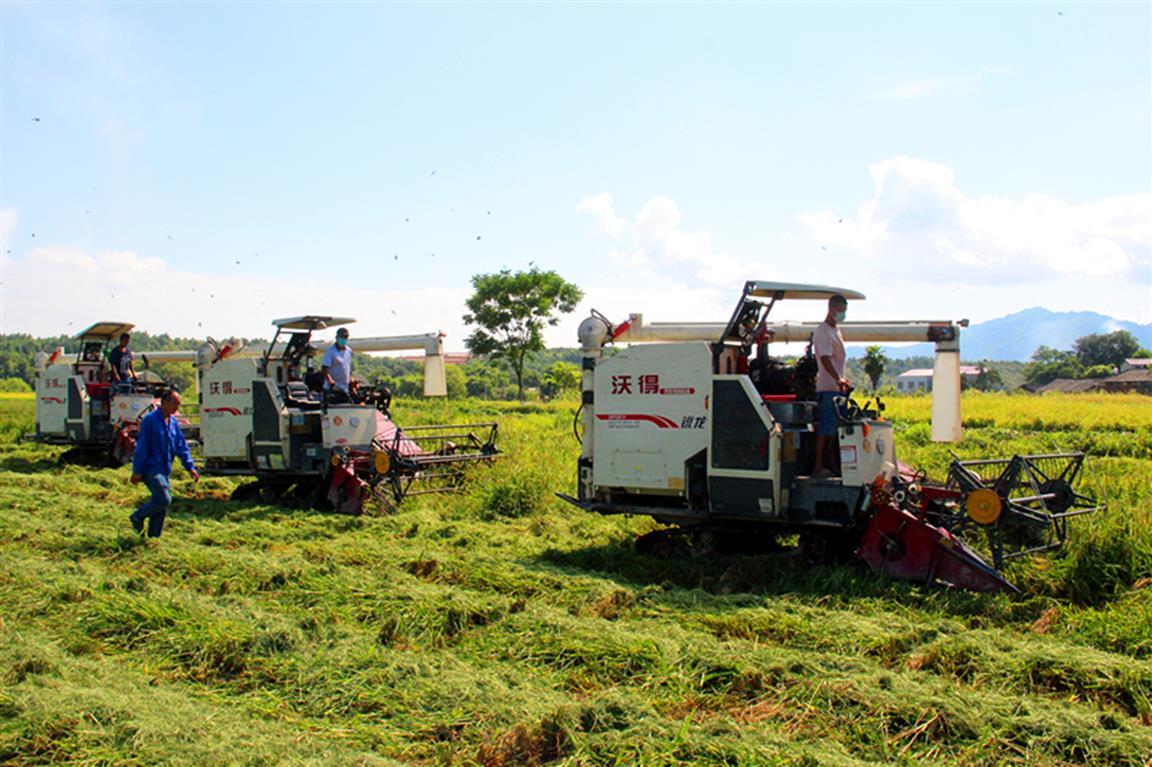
7,221
661,246
919,88
61,290
920,225
602,206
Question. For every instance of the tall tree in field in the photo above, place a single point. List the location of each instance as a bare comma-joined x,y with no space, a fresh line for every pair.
874,362
511,311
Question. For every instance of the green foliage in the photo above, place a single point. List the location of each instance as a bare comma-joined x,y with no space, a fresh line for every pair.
560,377
455,381
1048,364
18,350
1094,356
511,311
14,385
987,378
1098,371
1107,349
874,361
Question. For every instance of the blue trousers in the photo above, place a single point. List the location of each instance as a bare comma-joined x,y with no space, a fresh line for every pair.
155,509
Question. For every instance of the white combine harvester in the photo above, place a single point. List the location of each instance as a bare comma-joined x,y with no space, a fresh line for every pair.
258,416
77,403
698,427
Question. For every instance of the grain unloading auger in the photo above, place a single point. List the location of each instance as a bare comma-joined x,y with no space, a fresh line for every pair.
260,417
698,427
78,404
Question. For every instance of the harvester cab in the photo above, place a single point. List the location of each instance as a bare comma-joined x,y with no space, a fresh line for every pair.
78,404
697,426
264,412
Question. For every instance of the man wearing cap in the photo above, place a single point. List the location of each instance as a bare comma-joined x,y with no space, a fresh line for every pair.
159,442
828,346
336,367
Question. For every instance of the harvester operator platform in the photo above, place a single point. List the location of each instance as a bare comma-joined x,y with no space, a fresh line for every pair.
828,347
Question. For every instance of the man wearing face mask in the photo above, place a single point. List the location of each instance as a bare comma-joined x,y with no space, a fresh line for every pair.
828,346
336,367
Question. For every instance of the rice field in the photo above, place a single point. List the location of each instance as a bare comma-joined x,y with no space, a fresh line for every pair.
500,626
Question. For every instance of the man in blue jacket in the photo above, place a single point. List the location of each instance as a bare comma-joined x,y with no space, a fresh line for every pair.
158,443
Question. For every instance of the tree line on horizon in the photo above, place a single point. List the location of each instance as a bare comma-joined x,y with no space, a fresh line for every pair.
510,311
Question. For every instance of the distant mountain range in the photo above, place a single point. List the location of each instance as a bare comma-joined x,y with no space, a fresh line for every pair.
1017,336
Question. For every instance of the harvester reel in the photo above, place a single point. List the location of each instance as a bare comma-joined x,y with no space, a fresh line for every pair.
1019,505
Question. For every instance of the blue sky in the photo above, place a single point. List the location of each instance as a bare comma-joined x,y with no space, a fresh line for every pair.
203,168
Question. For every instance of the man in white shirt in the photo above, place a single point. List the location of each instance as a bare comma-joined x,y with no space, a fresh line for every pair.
336,367
828,346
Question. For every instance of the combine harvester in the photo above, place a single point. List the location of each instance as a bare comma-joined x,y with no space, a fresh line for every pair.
260,417
78,404
696,426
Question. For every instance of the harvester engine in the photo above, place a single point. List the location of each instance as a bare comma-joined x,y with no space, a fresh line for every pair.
697,426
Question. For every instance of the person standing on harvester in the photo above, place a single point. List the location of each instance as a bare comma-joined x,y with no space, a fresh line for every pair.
120,365
828,346
337,369
159,442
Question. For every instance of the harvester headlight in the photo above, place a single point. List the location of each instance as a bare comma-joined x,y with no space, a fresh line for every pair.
983,506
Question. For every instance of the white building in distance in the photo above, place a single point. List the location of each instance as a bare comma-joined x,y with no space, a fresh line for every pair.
920,379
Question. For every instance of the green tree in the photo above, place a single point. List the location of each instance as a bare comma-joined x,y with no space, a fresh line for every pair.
1106,349
1098,371
1048,364
987,378
559,378
874,362
511,311
456,381
485,381
14,385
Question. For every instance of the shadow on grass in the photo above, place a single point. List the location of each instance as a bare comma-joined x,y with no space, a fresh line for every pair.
736,580
773,573
22,465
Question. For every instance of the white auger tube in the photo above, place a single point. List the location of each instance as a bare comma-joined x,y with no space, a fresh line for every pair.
946,393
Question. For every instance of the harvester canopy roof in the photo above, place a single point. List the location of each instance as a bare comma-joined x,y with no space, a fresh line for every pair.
311,322
104,331
781,290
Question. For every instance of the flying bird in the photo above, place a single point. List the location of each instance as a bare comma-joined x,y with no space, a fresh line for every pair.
477,237
35,119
